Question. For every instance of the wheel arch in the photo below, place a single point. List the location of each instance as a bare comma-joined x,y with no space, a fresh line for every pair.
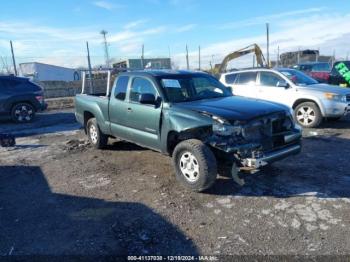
175,137
87,116
13,103
305,100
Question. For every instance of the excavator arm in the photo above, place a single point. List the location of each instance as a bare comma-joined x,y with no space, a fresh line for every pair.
254,48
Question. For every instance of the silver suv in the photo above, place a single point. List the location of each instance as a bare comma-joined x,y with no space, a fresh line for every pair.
310,100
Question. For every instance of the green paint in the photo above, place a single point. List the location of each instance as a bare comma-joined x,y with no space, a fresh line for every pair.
343,71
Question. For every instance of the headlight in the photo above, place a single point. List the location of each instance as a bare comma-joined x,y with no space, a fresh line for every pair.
223,128
287,123
335,97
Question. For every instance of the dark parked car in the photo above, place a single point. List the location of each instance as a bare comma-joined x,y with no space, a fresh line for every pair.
339,75
317,70
20,99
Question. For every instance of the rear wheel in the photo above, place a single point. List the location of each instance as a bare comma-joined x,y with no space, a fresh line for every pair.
96,137
22,113
308,114
195,165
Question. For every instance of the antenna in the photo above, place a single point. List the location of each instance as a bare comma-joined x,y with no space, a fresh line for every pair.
104,33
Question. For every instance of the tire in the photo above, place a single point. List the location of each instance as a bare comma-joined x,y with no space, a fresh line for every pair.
96,137
22,113
308,115
195,165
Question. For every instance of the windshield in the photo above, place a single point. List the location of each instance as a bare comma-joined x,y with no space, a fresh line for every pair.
297,77
183,88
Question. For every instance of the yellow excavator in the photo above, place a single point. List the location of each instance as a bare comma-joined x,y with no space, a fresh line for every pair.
254,48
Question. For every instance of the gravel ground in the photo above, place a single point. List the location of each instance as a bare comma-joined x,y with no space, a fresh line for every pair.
59,196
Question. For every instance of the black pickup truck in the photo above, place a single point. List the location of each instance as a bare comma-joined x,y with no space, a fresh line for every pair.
20,99
192,117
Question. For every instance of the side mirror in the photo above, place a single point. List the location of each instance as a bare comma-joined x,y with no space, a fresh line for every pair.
147,99
282,83
228,88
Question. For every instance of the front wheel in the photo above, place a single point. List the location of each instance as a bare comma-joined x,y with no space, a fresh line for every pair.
96,137
308,115
195,165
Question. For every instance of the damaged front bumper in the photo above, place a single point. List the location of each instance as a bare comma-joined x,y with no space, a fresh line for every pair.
250,156
268,158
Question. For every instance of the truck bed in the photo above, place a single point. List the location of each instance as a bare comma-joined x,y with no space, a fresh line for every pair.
97,104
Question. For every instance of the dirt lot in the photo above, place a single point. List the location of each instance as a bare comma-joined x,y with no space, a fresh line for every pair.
60,196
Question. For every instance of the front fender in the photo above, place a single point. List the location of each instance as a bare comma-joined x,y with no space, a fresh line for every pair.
315,99
182,121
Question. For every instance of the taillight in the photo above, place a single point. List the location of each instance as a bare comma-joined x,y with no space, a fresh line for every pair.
39,98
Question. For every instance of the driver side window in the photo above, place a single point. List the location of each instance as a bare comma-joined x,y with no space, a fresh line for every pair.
141,86
269,79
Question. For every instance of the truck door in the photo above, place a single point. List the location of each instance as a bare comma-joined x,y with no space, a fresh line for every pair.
118,108
270,89
143,120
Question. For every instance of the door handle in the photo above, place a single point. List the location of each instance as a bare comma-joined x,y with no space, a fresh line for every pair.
129,109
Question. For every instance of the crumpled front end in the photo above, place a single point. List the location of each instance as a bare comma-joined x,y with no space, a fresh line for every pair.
260,141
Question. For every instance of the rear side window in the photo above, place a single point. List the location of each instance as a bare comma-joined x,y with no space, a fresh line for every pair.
306,67
321,67
246,78
269,79
121,87
230,79
6,83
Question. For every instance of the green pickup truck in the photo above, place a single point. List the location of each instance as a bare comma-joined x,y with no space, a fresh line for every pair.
195,119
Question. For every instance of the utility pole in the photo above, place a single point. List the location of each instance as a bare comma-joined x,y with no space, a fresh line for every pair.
104,33
199,58
268,44
89,65
143,57
278,56
13,59
187,62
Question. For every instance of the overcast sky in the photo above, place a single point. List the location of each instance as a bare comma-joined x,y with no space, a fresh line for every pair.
56,31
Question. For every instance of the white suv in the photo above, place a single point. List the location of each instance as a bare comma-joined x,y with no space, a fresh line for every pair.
310,100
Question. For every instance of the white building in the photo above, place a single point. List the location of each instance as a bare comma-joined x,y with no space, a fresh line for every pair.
44,72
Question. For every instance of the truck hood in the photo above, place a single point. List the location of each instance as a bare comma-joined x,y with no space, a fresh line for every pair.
326,89
234,107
